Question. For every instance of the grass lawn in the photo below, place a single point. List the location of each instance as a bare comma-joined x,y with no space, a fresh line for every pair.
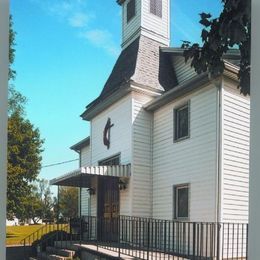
15,234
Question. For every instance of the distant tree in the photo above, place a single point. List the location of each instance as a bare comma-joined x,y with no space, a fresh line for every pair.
68,202
47,202
24,147
232,29
12,34
38,204
31,208
24,161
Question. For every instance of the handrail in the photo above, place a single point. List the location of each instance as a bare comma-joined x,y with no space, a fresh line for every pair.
38,234
64,228
53,237
42,231
145,237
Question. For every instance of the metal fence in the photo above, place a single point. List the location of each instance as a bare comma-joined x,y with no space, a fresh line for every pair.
147,238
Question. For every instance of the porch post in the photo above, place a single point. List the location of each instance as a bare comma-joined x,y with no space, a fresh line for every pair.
80,207
80,195
58,206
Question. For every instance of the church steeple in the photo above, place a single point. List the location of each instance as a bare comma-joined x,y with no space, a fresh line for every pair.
150,18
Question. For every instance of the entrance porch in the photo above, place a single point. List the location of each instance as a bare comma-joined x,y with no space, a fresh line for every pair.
104,183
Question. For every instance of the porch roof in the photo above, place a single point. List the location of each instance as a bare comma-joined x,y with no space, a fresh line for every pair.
82,176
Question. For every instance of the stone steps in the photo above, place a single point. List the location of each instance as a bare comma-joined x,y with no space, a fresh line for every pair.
53,253
60,251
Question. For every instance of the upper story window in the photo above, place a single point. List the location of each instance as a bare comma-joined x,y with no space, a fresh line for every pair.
130,10
182,122
156,7
114,160
181,201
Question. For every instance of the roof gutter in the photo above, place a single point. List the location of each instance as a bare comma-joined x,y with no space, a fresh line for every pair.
130,86
78,146
103,104
197,82
193,84
230,54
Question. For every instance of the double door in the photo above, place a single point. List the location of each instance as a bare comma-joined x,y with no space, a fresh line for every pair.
108,208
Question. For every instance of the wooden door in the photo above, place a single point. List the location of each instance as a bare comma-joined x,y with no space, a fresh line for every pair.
108,208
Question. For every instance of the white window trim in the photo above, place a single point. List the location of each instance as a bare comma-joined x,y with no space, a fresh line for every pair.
175,201
175,128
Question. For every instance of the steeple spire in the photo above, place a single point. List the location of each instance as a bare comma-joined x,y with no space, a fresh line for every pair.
150,18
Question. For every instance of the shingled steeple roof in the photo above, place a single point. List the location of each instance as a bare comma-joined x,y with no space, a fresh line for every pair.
142,63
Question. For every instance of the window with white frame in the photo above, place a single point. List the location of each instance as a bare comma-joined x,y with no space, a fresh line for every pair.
182,122
156,7
181,201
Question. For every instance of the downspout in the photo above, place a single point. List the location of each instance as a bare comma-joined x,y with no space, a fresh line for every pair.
218,85
79,191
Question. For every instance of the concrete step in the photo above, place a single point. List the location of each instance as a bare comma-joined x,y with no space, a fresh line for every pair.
60,251
50,256
68,245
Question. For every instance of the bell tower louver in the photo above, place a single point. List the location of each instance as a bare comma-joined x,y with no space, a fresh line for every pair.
150,18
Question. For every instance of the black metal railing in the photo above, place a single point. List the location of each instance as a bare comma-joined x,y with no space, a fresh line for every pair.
148,238
62,233
28,241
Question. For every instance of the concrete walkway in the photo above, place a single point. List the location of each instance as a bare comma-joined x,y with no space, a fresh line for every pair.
127,253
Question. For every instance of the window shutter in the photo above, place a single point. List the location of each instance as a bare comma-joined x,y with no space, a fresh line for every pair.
156,7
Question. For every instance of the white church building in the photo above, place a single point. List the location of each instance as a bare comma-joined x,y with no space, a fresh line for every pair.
165,142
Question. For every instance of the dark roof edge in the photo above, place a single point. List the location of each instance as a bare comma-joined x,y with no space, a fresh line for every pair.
197,82
91,112
193,84
83,143
231,54
120,2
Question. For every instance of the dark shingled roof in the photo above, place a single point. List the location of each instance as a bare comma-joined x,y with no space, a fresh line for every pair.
143,63
123,70
147,63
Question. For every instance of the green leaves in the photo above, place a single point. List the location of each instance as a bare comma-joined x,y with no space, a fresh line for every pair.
12,73
24,160
68,202
205,19
231,28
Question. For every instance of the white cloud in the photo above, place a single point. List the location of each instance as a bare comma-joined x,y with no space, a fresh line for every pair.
76,14
101,39
72,11
79,20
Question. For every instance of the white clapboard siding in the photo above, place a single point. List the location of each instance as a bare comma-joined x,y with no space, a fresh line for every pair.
131,27
85,156
151,22
183,70
191,161
120,114
121,143
85,197
142,158
235,138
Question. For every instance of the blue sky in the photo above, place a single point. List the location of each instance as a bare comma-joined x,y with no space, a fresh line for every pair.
65,51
